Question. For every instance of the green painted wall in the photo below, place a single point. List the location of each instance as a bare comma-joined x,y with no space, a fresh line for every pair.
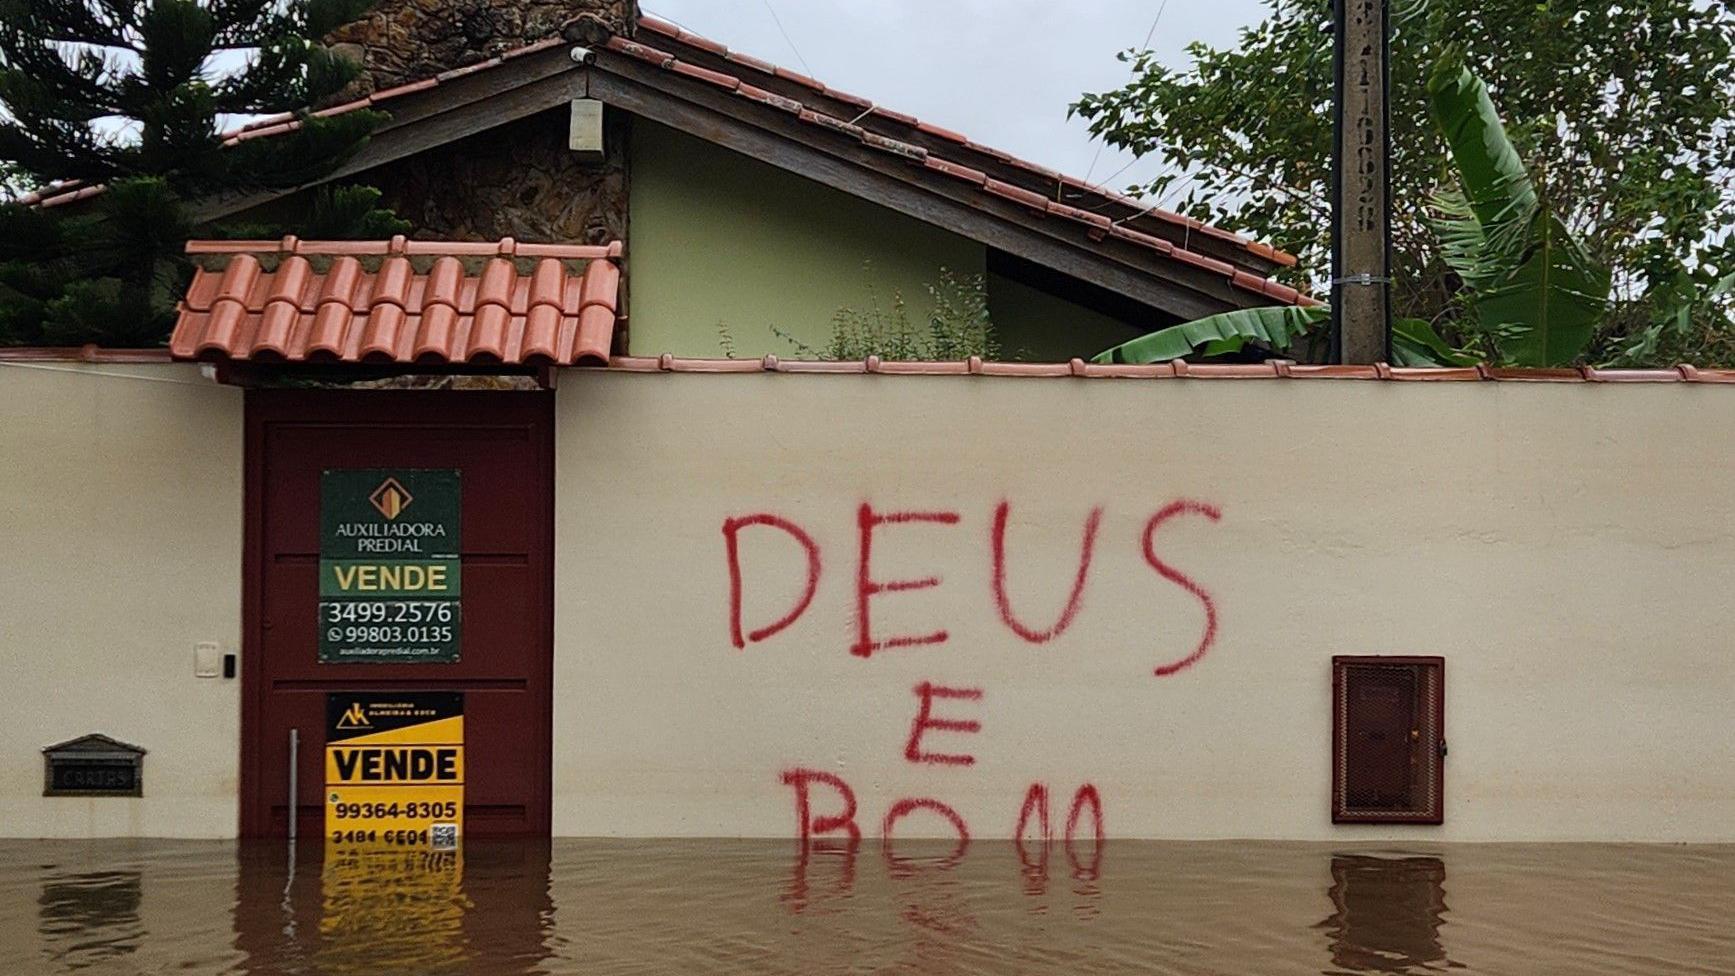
1039,327
720,240
716,237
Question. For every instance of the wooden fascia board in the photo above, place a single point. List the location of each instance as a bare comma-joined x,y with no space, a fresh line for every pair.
424,120
1132,217
718,117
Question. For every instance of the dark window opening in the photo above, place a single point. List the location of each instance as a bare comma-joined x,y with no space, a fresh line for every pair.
1388,739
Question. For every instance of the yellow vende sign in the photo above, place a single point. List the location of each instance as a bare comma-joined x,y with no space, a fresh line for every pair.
394,769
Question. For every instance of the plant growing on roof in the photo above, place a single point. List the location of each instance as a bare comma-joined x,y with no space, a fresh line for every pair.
957,326
129,94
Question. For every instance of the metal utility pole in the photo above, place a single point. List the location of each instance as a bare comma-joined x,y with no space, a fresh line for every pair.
1361,255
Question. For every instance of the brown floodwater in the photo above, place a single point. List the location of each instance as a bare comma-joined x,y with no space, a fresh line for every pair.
746,907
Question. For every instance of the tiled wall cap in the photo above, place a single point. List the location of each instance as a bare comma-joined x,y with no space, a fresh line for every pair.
821,366
340,284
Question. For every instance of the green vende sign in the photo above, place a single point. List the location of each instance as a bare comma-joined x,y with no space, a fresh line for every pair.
390,581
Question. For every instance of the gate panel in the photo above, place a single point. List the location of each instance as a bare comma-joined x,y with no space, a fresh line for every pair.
502,445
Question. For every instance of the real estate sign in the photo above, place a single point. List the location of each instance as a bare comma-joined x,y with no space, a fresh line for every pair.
389,573
394,769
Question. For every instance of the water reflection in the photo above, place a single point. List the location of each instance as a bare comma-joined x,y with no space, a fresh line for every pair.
1387,913
835,861
370,912
88,918
746,907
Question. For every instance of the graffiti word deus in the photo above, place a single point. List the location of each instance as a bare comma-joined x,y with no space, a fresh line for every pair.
874,529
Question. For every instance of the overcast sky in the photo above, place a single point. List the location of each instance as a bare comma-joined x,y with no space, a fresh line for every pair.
1000,71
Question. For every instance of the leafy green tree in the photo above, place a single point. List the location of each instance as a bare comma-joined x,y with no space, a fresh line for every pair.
132,94
1622,113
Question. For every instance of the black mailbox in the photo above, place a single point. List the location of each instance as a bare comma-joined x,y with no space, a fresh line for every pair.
93,765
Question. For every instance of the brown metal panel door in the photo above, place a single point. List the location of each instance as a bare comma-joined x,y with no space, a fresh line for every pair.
1388,739
502,446
1383,733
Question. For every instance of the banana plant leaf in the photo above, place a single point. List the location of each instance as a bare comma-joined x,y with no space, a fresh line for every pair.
1536,289
1415,343
1547,309
1497,186
1275,327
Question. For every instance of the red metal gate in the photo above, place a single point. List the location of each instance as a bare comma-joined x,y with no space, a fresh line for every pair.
502,445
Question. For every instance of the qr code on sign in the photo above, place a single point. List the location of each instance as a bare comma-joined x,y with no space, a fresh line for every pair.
444,837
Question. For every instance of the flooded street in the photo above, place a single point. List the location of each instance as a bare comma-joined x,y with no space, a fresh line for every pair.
604,907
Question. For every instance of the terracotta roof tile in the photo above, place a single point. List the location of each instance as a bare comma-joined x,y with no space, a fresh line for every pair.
1223,268
408,87
769,98
880,111
1083,216
718,78
748,60
545,44
1251,282
1284,294
798,78
402,311
893,146
1140,238
640,51
81,193
946,134
703,43
469,69
360,103
855,101
1034,201
964,173
658,25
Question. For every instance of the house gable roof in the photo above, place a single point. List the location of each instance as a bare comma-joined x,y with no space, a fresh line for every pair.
1157,258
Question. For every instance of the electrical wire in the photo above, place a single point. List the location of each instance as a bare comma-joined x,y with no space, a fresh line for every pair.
779,22
1146,46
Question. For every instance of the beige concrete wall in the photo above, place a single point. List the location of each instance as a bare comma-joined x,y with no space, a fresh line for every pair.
1566,548
120,524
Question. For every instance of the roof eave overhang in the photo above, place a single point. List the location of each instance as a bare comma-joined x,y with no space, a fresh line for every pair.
780,139
489,95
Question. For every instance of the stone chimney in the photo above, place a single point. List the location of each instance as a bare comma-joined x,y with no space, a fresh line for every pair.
406,40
